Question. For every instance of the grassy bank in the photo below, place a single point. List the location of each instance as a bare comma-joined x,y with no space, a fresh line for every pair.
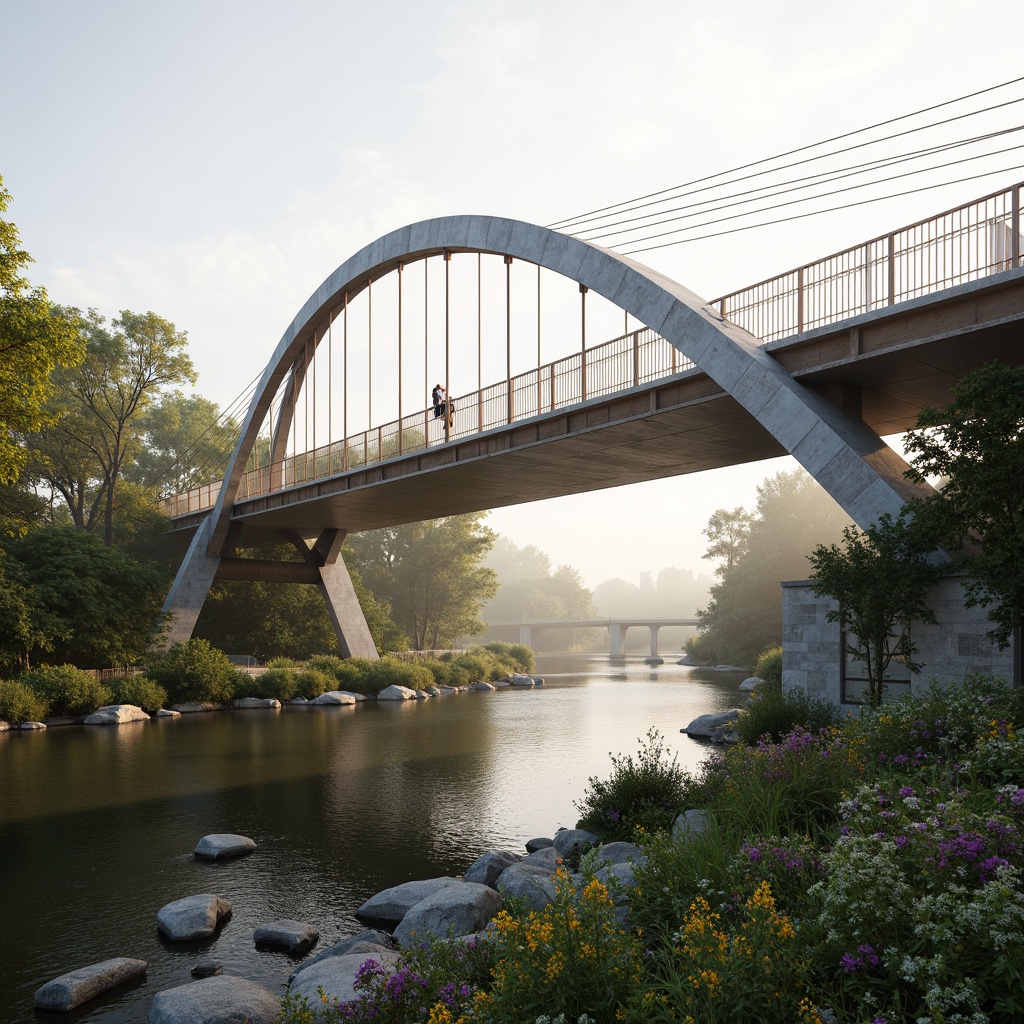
197,672
865,870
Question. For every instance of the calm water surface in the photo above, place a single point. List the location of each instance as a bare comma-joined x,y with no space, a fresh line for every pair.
97,825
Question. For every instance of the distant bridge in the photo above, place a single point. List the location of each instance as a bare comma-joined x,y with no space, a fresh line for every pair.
817,362
616,628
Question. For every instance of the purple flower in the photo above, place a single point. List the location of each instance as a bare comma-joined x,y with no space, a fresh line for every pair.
900,842
907,791
850,964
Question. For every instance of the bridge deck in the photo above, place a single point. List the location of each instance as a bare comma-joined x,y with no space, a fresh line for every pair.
885,366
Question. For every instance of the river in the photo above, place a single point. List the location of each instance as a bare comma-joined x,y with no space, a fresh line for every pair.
98,824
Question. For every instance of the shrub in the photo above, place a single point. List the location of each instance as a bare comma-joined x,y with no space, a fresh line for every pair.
275,683
646,793
195,671
140,691
792,787
572,957
345,673
311,682
740,963
20,704
774,713
394,672
67,690
769,666
518,655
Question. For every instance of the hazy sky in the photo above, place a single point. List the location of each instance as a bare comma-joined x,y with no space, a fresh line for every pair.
215,160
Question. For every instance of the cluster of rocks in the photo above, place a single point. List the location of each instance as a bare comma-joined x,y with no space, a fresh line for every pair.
121,714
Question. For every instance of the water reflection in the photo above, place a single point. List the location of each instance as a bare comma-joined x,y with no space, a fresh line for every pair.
97,825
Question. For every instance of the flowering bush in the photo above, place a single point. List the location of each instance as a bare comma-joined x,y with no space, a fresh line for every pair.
570,958
741,964
435,983
921,908
787,787
644,793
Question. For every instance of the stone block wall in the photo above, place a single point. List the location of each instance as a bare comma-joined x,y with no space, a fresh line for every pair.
812,659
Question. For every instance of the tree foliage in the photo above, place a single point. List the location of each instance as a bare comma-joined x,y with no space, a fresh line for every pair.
976,443
431,576
101,405
881,578
744,614
88,605
35,336
728,534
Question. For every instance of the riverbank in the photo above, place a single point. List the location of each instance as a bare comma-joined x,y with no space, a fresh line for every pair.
342,801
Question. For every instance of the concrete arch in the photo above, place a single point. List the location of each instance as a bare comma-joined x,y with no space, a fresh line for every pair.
863,475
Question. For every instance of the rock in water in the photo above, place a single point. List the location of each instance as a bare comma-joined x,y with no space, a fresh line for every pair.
223,844
117,714
394,903
455,910
77,987
194,917
219,1000
295,936
336,975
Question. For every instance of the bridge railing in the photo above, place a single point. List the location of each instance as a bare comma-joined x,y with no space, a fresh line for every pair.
963,244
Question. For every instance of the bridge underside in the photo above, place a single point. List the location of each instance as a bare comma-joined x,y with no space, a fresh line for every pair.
882,368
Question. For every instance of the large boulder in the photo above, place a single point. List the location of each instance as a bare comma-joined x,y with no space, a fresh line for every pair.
487,869
532,885
546,858
195,707
618,853
483,686
166,713
116,714
370,942
194,917
334,697
77,987
218,1000
574,842
295,936
751,683
396,692
455,910
391,905
540,843
252,703
690,824
521,680
220,845
705,725
336,975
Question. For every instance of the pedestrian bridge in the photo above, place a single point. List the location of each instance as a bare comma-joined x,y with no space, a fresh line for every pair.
818,362
617,629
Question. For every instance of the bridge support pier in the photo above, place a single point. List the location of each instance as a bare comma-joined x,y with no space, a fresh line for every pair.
323,565
654,640
618,639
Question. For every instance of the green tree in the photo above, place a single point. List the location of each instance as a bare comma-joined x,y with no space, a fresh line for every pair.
881,578
728,535
744,614
90,605
976,443
430,575
34,337
186,443
102,403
